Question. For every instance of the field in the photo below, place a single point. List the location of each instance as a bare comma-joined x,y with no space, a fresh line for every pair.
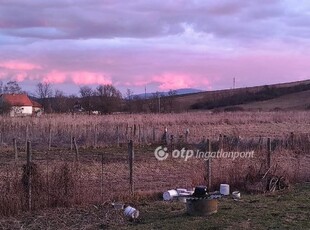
281,210
75,179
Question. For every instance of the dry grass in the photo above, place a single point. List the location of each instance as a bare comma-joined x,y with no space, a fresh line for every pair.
106,130
102,173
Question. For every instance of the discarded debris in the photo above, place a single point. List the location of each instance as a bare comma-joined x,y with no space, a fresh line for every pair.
236,195
131,212
118,206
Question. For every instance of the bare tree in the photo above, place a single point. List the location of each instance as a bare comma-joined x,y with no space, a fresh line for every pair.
129,100
44,91
87,93
12,87
61,102
171,97
1,87
109,98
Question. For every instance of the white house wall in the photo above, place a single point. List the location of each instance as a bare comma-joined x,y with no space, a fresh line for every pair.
21,110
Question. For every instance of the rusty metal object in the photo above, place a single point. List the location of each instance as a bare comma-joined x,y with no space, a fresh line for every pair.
201,207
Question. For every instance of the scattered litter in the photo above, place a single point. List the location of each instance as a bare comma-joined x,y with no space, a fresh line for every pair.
131,212
200,191
181,190
224,189
236,195
170,194
118,206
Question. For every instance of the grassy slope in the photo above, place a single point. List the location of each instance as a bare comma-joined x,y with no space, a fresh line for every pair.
282,210
185,101
293,101
289,209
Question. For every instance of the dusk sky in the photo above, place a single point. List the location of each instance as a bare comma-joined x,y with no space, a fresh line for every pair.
162,45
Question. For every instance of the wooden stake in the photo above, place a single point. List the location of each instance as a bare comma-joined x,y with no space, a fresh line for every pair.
131,162
49,137
209,165
96,137
26,135
28,150
15,149
101,187
117,136
76,149
268,153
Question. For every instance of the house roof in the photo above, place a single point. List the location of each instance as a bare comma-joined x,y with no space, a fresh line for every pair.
36,104
17,99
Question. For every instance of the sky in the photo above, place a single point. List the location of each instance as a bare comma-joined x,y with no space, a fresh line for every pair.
160,45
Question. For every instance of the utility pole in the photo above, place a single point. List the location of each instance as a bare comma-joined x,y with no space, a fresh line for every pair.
234,83
158,103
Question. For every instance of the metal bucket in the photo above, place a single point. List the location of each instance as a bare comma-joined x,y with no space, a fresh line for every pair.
201,207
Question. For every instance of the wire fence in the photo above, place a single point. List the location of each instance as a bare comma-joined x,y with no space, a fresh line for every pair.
32,177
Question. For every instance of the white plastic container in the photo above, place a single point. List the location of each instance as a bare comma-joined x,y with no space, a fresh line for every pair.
170,194
131,212
181,190
236,195
118,205
224,189
182,196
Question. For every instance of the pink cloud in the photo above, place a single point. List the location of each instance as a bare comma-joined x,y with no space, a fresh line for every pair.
82,78
175,81
167,81
20,77
77,77
19,65
56,77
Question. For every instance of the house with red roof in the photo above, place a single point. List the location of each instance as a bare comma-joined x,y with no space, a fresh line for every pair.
20,105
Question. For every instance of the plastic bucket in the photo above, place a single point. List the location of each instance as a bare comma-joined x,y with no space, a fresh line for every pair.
118,205
131,212
224,189
236,195
183,196
170,194
181,190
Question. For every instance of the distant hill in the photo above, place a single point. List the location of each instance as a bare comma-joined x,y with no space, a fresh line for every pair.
254,96
176,92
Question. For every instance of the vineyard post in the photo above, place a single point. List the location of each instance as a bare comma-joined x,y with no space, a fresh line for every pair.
101,184
292,140
186,135
131,162
117,136
26,135
76,149
134,130
209,164
221,142
47,179
71,139
96,137
171,142
154,135
139,134
268,153
15,149
29,192
49,136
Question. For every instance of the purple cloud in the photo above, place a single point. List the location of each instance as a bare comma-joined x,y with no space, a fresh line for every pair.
164,45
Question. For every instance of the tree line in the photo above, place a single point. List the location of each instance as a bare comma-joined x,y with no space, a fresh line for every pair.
103,99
